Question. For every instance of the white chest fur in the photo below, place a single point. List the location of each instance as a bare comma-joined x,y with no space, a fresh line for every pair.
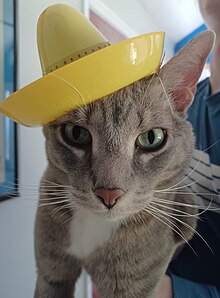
87,232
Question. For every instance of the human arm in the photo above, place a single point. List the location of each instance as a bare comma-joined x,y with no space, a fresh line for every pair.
165,289
210,10
172,286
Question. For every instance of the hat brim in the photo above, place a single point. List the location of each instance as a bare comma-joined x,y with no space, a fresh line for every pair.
85,80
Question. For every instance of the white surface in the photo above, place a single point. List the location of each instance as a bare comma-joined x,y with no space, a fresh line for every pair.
132,13
112,17
131,18
177,18
1,10
17,265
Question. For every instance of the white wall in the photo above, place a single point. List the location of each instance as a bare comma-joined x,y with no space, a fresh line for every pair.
178,18
131,18
17,265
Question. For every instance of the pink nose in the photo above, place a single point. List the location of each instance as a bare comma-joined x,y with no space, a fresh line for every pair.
109,196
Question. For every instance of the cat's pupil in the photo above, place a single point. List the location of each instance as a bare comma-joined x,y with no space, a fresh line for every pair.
150,140
151,137
76,132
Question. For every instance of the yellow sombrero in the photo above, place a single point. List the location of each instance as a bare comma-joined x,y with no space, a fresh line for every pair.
79,66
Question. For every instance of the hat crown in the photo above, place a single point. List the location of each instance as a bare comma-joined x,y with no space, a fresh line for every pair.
85,80
64,35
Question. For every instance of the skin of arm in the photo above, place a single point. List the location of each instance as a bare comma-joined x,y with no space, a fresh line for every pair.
165,288
210,10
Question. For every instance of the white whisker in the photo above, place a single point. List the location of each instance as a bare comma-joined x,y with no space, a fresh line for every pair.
53,203
183,223
53,198
188,193
180,233
141,219
57,184
190,173
178,212
172,226
168,202
69,205
60,208
165,92
171,188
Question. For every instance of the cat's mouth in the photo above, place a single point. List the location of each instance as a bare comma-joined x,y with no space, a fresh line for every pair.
114,204
117,205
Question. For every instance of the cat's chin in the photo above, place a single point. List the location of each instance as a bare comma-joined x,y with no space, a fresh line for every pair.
111,215
115,215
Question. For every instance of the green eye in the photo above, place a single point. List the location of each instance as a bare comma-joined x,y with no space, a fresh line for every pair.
151,140
76,135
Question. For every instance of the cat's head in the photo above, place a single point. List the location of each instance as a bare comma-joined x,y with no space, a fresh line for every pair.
116,152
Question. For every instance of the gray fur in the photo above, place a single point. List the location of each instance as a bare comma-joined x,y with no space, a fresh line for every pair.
132,261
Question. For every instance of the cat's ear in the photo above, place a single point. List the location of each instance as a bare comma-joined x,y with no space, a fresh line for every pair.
181,73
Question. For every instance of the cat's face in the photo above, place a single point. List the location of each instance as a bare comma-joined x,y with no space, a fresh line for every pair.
135,140
131,141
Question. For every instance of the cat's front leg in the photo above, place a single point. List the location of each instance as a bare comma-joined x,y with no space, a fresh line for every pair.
57,272
51,286
133,261
46,289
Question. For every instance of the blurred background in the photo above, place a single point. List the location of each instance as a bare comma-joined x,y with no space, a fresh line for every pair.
22,156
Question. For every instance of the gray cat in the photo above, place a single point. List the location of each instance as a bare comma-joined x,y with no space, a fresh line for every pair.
109,198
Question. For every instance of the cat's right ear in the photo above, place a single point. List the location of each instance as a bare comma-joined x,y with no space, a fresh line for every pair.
181,73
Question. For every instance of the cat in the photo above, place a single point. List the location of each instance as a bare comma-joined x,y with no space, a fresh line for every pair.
109,197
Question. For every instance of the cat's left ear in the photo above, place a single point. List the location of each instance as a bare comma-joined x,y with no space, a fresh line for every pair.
181,73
